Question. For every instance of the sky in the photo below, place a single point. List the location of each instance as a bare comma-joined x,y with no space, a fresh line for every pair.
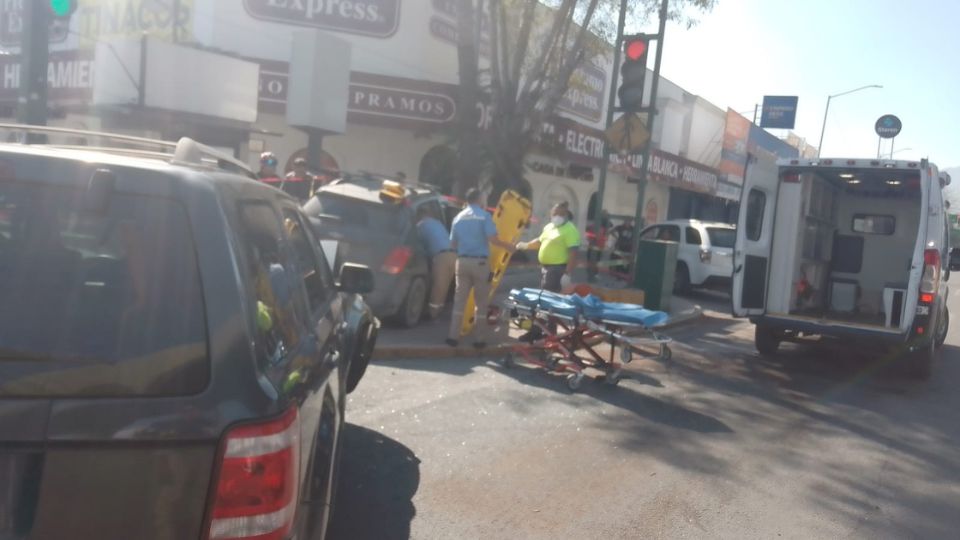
745,49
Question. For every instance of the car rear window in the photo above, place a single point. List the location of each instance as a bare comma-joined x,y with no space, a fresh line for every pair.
722,237
98,300
357,212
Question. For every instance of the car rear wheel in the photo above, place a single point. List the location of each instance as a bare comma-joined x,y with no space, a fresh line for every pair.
412,309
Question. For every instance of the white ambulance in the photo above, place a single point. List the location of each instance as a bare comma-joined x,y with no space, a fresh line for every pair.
851,249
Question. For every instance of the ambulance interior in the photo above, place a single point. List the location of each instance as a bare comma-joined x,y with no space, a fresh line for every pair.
846,240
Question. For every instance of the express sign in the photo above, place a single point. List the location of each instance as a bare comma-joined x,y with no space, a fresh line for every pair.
377,18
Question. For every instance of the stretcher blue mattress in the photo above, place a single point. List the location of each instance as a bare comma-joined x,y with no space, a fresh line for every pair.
590,307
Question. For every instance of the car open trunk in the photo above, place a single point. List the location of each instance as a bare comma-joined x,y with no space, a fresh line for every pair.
366,231
846,247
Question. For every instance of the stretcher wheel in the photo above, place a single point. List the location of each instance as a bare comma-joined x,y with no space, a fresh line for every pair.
507,361
613,378
549,360
574,381
626,355
665,353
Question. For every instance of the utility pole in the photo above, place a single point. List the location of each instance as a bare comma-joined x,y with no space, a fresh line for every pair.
34,58
602,180
652,111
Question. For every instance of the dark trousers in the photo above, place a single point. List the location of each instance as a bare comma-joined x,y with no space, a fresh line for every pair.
550,275
594,256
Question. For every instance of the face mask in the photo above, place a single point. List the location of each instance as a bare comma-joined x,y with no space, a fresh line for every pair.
558,220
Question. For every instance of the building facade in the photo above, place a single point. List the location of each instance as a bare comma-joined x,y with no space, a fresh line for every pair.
121,67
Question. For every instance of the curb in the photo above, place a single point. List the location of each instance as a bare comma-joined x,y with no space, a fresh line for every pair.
440,350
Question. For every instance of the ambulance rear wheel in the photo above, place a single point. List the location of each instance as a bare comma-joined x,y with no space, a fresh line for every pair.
766,341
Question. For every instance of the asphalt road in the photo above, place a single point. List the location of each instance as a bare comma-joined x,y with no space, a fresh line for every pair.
718,443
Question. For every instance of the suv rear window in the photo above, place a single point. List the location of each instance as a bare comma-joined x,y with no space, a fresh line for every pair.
721,237
357,212
103,302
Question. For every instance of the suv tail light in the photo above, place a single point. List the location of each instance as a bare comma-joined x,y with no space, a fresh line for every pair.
258,481
397,260
930,282
705,255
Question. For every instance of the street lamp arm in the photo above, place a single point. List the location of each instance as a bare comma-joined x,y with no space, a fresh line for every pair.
823,128
855,90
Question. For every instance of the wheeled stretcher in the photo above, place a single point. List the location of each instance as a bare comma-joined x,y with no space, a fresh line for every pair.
572,326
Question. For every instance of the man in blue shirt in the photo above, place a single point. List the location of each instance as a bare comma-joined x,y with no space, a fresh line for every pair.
471,235
443,259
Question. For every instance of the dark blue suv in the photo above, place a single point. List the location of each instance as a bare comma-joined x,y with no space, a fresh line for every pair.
174,349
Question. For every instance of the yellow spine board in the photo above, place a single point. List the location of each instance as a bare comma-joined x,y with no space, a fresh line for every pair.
511,218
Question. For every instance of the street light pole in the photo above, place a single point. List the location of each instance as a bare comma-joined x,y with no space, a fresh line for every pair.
826,111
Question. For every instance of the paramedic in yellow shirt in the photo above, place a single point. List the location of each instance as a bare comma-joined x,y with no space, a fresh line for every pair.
558,245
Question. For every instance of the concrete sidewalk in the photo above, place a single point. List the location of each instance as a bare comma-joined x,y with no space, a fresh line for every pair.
427,339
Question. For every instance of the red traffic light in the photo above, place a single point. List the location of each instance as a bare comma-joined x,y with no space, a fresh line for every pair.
635,49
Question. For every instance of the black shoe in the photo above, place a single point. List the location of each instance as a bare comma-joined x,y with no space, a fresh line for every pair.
452,342
479,345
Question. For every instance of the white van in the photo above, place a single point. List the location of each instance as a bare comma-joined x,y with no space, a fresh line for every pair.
845,248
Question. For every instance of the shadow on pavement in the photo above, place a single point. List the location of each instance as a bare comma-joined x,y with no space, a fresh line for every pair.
624,397
830,393
378,479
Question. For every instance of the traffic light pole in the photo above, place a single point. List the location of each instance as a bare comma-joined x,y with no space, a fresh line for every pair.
602,180
34,57
652,111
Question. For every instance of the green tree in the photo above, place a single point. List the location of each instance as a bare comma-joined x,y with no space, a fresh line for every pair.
520,55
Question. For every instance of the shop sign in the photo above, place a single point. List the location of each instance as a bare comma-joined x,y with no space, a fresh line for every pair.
888,126
100,19
585,93
778,112
733,156
274,76
378,100
366,99
572,141
70,77
675,171
682,173
377,18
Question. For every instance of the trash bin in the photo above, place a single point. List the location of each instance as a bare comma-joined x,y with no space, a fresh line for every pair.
653,272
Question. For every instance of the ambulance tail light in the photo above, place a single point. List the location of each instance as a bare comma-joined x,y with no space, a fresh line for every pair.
930,282
397,260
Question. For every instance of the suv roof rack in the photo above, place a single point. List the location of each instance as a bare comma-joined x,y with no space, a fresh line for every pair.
186,151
